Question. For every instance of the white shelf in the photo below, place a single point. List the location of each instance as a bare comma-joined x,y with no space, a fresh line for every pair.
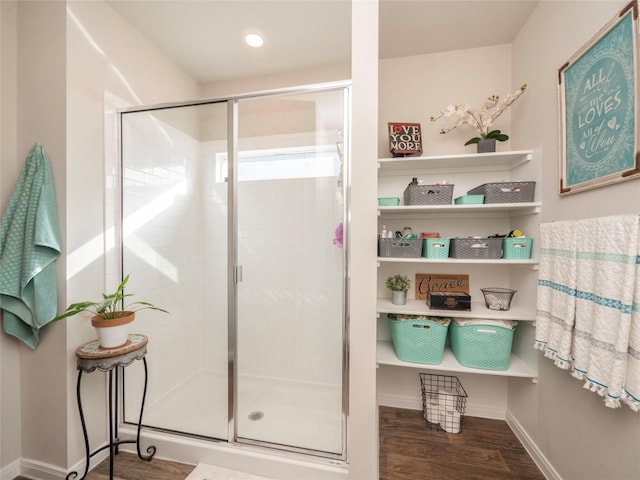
478,310
386,355
501,160
523,208
466,261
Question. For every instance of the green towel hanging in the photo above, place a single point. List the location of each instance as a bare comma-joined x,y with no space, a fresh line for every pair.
29,246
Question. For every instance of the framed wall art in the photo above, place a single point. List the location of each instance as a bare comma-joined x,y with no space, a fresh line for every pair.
598,92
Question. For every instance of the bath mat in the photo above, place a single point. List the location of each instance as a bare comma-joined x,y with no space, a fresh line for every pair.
211,472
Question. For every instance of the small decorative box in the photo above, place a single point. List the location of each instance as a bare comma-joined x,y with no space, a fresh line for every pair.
449,300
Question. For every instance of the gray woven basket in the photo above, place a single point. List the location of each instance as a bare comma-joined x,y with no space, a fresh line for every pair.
400,247
428,194
475,248
505,192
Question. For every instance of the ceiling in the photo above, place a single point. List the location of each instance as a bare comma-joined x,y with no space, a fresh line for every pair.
205,37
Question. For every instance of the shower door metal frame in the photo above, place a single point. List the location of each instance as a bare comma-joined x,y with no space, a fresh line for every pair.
234,269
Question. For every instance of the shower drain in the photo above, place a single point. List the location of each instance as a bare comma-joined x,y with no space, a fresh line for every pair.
253,416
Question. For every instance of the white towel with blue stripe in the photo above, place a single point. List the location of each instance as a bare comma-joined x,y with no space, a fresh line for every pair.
631,392
607,274
602,286
556,301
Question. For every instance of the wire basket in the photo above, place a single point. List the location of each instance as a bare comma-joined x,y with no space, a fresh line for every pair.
496,298
443,402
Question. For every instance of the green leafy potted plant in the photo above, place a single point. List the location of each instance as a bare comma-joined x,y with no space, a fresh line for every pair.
111,317
481,119
398,284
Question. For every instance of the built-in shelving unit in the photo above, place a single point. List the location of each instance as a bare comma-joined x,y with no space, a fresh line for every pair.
465,169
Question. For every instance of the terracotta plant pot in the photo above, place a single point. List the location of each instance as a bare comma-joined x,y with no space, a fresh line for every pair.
114,332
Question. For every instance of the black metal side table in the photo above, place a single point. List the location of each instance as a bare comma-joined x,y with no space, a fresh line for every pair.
90,357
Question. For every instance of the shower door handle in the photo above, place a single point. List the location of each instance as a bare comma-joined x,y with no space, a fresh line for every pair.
237,274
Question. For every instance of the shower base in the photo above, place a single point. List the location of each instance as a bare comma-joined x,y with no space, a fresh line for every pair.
281,412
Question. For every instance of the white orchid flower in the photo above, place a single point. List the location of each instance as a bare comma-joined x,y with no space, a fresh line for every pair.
481,119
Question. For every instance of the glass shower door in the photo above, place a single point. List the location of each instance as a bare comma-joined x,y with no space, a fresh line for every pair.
291,270
174,245
232,220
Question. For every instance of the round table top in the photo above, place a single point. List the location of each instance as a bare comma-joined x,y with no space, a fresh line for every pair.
93,350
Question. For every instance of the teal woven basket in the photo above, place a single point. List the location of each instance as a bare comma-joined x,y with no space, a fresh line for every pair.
435,248
388,201
418,341
517,248
487,347
469,199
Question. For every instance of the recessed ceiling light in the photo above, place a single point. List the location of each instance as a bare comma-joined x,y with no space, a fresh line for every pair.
254,40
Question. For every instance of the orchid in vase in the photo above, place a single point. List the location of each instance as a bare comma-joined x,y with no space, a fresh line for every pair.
481,119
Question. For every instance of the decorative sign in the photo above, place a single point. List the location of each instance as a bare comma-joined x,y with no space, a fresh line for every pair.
437,282
405,139
598,102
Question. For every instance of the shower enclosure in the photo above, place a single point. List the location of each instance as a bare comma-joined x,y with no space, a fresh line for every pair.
234,218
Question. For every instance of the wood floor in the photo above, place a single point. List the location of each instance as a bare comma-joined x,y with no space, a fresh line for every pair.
409,450
127,466
484,449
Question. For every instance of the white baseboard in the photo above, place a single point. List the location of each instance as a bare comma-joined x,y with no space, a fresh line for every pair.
400,401
415,403
45,471
11,471
41,470
532,449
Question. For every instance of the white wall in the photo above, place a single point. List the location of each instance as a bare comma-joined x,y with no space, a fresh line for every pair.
363,413
290,79
414,88
55,71
577,434
9,167
41,117
109,65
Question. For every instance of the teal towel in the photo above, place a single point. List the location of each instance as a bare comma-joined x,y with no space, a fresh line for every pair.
29,246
